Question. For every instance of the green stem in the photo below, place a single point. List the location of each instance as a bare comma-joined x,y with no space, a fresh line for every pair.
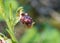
11,33
10,30
10,11
9,21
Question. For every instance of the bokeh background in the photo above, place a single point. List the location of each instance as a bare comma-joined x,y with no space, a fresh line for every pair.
45,14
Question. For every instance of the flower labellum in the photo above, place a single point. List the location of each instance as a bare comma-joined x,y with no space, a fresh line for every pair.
26,19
